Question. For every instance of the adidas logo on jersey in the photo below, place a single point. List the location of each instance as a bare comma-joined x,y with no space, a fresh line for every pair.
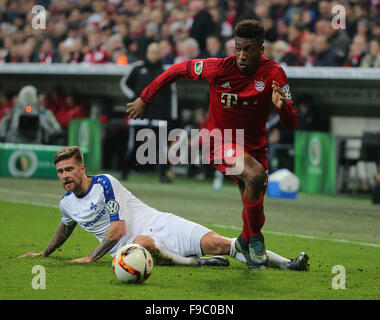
226,85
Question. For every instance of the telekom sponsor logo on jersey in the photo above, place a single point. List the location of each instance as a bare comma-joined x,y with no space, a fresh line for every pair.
222,146
229,99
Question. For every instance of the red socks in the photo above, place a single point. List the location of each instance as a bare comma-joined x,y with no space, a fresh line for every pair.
253,217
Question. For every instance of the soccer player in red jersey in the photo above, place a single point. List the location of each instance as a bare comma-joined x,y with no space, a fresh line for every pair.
242,90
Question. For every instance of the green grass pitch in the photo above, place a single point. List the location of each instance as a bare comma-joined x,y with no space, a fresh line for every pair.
332,230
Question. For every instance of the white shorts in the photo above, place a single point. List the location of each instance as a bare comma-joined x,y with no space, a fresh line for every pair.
178,235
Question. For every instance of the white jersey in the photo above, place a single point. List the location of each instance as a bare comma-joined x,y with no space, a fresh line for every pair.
105,201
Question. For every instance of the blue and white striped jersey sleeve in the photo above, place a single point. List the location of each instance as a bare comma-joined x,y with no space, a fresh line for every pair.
111,195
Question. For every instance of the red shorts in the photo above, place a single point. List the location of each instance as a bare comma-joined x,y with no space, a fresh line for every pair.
223,155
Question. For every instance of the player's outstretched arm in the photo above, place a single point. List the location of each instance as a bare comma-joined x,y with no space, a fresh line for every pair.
189,69
60,236
114,234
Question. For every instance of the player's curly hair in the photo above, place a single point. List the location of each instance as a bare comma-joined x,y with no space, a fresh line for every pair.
251,29
68,153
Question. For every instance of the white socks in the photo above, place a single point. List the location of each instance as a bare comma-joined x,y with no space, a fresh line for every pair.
276,261
176,259
233,250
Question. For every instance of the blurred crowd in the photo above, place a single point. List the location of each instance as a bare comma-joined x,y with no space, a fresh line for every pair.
298,32
56,106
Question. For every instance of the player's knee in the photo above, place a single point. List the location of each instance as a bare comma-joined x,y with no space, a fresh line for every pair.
217,245
146,242
222,246
255,177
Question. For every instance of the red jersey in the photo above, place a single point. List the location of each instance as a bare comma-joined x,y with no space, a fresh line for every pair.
237,101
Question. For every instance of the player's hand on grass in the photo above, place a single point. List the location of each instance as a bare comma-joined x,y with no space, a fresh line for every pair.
32,255
137,109
81,260
278,95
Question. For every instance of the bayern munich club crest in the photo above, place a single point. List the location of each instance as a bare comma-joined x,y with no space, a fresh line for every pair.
259,85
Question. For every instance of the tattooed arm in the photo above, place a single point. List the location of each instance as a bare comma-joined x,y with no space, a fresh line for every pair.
114,234
60,236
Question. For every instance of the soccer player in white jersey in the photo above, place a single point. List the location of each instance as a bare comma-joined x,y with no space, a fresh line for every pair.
105,208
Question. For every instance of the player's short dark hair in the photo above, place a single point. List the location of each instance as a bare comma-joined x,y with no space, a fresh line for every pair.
68,153
251,29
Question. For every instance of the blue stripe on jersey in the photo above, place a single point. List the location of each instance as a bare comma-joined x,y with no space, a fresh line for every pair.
114,217
107,186
108,192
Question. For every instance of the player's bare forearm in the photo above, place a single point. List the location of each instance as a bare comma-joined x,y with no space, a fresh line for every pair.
104,247
114,234
61,234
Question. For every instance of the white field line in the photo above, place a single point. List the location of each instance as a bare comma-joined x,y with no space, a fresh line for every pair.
304,236
295,235
55,206
28,193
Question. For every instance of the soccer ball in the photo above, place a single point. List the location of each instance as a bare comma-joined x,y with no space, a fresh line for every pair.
132,263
